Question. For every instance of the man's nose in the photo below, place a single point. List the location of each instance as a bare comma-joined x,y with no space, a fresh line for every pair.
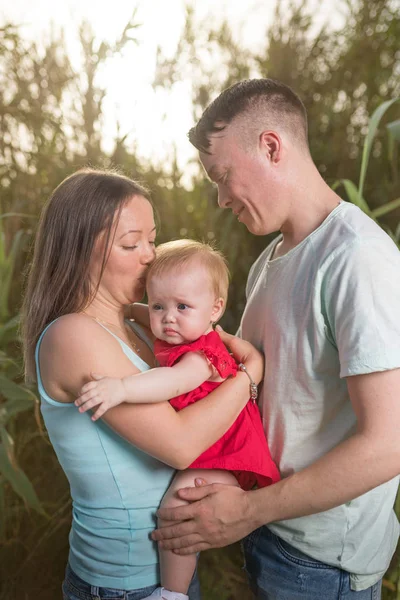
223,197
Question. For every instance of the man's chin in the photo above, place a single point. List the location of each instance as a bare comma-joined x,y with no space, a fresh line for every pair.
257,228
254,230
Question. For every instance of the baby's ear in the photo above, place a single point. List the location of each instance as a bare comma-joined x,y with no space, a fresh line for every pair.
218,309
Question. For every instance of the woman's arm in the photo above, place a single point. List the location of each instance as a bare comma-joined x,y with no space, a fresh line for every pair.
76,346
157,385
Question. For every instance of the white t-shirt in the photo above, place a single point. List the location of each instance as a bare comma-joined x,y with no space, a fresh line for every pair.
328,309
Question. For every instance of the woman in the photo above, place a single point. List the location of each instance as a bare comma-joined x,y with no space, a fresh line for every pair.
94,243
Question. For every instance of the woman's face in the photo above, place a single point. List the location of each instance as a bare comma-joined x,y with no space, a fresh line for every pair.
131,251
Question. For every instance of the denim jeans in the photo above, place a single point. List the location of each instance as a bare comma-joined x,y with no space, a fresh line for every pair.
277,571
74,588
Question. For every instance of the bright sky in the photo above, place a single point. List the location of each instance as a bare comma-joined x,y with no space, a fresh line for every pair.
155,120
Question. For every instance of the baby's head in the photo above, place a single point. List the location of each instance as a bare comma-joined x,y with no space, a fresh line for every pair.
187,288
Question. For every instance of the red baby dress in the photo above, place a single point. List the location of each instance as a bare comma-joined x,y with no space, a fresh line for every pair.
243,448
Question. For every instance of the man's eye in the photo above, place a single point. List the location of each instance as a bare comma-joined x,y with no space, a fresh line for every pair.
182,306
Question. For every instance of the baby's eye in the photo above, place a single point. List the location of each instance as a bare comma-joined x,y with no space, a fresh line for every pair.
156,307
182,306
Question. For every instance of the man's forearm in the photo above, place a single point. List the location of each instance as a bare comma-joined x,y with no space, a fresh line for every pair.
351,469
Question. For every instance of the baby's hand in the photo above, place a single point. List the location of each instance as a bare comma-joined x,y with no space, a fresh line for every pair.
104,392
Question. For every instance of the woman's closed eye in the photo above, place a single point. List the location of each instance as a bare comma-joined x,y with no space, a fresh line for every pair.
133,247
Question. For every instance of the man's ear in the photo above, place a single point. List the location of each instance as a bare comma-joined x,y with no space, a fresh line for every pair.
218,309
271,145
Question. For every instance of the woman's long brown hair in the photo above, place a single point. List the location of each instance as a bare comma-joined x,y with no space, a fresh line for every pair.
80,208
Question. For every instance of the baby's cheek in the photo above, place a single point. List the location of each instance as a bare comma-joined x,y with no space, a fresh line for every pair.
155,325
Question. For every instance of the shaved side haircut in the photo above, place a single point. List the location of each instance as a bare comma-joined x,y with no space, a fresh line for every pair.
253,106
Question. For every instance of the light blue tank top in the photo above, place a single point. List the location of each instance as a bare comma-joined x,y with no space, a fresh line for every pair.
115,488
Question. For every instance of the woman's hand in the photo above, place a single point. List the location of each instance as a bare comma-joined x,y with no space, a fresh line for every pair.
244,352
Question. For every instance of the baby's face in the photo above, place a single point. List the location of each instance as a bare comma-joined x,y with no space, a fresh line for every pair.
182,304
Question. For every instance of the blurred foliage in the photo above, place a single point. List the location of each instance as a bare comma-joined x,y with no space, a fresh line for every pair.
17,398
354,193
51,118
339,88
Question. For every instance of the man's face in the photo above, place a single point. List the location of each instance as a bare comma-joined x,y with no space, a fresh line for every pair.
247,182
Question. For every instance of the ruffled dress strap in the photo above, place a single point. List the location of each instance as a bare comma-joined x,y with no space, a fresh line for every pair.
210,345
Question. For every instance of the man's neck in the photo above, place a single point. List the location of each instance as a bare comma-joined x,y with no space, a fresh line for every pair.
308,218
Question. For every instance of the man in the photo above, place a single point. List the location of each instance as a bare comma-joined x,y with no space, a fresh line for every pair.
322,304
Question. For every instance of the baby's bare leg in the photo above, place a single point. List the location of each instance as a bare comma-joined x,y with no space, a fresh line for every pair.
177,571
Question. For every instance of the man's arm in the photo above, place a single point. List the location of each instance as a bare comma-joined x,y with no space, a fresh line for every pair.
220,515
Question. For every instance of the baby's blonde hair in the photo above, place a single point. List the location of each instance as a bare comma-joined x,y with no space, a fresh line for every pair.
178,254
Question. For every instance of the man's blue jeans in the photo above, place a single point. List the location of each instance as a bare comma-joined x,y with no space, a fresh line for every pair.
74,588
277,571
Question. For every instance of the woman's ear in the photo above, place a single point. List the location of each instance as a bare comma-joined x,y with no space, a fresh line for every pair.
218,309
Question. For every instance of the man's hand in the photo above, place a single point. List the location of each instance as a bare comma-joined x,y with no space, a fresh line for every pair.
217,515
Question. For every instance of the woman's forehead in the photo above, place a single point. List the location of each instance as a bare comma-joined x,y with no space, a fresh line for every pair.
135,215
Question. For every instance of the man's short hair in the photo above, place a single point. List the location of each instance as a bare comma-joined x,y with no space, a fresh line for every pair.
264,103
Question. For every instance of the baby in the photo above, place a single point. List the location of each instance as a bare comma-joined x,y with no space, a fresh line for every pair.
187,287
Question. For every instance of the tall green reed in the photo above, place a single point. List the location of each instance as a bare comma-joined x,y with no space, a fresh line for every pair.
356,193
15,397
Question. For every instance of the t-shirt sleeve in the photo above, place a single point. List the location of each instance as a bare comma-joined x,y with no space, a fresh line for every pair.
361,301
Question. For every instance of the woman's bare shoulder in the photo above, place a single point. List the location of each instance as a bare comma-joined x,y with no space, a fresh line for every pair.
77,342
76,346
74,329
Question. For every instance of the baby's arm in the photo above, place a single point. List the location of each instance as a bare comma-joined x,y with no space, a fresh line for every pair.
155,385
